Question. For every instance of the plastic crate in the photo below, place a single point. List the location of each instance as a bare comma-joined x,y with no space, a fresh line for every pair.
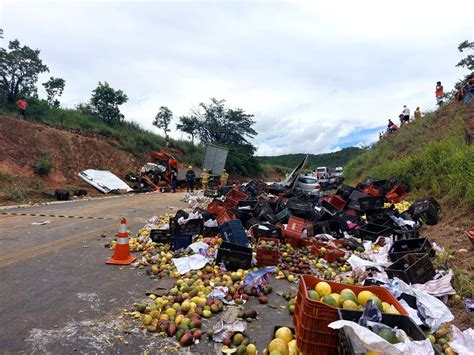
294,228
404,234
427,210
236,195
336,201
332,254
234,256
311,318
344,191
215,207
269,231
230,203
234,232
412,268
353,201
328,227
181,241
224,216
329,208
402,247
160,236
267,215
248,206
396,193
265,256
283,215
392,320
370,203
372,231
298,207
192,227
210,232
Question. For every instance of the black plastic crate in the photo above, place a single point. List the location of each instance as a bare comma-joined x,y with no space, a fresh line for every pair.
328,227
160,235
372,231
404,234
192,227
233,232
344,191
392,320
352,202
370,203
426,210
402,247
267,215
250,223
181,241
210,231
234,256
383,221
332,210
248,206
283,216
271,231
412,268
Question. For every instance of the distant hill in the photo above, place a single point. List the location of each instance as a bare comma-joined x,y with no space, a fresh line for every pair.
339,158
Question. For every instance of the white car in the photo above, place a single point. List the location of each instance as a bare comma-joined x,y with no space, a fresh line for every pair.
308,184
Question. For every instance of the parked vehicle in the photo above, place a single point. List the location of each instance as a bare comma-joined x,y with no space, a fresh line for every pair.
308,184
338,171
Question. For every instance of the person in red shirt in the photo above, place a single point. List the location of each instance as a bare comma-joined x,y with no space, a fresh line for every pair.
22,105
439,93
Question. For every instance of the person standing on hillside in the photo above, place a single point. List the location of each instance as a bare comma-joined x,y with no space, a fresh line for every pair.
190,179
417,113
405,116
439,93
22,105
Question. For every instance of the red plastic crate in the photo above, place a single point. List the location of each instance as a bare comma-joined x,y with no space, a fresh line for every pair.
334,255
267,257
230,203
470,234
215,207
294,227
225,216
236,195
337,201
372,190
395,194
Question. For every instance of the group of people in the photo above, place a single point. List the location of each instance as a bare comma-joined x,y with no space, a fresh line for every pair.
465,92
191,179
404,119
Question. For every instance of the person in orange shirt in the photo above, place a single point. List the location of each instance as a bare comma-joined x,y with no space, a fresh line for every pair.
22,105
439,93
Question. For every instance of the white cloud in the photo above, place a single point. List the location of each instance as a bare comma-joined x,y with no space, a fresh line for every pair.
313,73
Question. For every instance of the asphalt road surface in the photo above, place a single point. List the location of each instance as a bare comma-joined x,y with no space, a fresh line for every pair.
59,297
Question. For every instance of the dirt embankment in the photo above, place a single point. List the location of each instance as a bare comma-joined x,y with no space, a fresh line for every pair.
21,142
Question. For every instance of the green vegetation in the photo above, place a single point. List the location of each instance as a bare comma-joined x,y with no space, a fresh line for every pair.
430,154
340,158
43,165
19,189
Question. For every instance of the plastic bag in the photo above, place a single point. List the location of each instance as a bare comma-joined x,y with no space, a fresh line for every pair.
371,314
259,278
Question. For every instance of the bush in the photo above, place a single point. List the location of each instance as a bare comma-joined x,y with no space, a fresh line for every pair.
43,165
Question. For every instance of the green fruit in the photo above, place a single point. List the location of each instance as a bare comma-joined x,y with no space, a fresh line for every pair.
351,305
442,341
241,349
179,334
141,307
312,294
377,302
388,335
330,301
237,339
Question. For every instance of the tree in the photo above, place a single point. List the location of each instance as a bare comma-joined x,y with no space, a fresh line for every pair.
189,125
19,70
223,125
105,102
54,87
162,120
233,128
467,62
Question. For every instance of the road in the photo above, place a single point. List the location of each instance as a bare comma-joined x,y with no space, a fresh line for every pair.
59,297
53,276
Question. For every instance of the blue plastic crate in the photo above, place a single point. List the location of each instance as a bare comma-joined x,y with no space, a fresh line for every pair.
233,232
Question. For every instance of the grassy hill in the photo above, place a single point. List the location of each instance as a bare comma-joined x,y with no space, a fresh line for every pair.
339,158
431,154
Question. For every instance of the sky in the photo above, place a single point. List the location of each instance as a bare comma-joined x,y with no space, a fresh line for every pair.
318,76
